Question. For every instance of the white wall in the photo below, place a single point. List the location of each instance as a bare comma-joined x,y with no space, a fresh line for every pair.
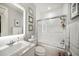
29,33
48,14
72,31
74,37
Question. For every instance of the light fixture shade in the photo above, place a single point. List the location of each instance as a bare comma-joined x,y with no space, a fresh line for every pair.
49,8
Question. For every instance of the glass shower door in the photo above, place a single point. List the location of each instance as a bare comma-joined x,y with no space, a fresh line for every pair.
50,32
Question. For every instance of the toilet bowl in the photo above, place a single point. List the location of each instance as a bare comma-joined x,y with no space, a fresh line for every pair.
40,51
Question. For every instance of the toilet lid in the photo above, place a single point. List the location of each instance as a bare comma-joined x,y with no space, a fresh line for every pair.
40,49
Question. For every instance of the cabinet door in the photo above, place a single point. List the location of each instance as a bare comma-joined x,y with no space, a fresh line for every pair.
29,53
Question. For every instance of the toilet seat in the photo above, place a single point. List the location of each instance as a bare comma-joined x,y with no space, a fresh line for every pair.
40,50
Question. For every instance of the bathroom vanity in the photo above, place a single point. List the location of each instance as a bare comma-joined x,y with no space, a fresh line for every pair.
20,48
11,20
12,31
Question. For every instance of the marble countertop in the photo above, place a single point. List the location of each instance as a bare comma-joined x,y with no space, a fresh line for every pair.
16,49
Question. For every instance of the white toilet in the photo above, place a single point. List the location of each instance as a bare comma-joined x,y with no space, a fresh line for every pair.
40,51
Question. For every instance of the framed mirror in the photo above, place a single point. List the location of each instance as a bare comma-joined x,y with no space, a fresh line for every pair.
11,19
74,10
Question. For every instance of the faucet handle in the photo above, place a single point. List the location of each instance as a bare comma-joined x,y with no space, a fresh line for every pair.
10,42
62,42
18,38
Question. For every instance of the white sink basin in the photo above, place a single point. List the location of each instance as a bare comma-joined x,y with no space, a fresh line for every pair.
2,47
13,48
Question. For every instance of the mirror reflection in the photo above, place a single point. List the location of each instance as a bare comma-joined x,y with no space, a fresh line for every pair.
11,20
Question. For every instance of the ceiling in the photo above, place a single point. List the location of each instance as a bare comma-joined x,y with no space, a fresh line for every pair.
44,6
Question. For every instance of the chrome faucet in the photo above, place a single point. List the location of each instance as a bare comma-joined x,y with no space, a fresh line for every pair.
62,42
11,42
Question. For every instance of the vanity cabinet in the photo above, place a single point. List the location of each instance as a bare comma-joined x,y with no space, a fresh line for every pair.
30,52
25,51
